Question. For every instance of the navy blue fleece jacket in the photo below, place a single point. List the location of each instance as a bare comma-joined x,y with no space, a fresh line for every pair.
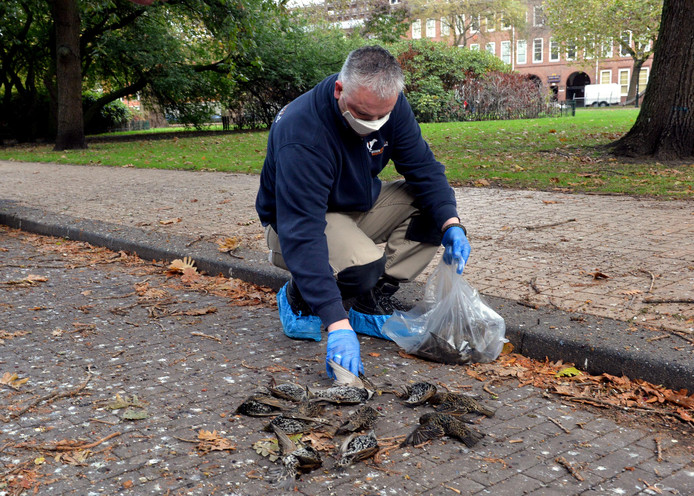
316,163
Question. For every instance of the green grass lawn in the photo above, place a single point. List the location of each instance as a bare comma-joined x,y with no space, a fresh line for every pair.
558,153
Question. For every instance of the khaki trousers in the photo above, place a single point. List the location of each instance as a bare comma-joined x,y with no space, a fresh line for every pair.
354,237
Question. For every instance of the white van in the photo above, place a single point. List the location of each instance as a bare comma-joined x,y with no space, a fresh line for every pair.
602,94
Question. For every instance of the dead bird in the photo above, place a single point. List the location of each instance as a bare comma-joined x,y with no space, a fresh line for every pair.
295,458
435,424
417,394
348,389
362,419
260,404
303,418
288,391
341,395
459,404
356,448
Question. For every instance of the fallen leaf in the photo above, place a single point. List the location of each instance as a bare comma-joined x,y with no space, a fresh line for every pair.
568,372
190,276
131,413
168,222
599,275
212,441
319,440
179,266
228,244
375,355
197,311
12,380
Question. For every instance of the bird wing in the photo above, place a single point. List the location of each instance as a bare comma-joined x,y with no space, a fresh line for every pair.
286,445
423,433
344,377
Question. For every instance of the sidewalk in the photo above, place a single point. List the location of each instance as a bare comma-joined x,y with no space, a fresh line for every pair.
582,260
95,326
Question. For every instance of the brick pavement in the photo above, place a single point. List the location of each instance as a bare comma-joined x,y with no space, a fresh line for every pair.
540,247
87,317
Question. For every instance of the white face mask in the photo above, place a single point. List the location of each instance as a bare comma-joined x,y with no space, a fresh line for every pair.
362,127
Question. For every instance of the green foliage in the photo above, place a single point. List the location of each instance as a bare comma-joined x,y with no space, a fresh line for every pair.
113,114
173,53
434,73
286,62
593,25
385,22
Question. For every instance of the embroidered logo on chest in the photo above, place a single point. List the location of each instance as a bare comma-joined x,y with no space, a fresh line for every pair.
370,146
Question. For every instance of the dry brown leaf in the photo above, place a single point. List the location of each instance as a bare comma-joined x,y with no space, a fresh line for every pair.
168,222
179,266
190,275
196,311
212,441
319,440
228,244
12,380
30,280
599,275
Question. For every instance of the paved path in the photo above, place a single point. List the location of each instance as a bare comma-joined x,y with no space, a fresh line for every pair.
133,330
544,248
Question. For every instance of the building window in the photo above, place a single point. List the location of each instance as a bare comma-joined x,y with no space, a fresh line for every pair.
571,51
643,79
489,22
431,28
475,24
537,51
506,52
605,77
475,46
626,40
521,52
445,28
505,24
607,49
538,16
417,29
491,47
624,81
553,51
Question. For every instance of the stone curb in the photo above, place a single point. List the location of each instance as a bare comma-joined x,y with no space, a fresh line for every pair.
594,344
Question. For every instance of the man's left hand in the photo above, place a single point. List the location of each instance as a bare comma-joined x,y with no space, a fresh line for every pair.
457,248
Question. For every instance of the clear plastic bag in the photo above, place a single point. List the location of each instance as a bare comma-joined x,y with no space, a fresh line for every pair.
451,325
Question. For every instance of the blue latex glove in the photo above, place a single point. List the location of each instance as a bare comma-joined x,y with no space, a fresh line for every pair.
343,348
457,247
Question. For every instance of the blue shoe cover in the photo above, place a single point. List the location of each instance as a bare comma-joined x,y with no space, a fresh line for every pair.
296,326
371,325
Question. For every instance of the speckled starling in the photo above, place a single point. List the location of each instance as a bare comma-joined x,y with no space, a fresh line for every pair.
342,395
301,419
418,393
362,419
295,460
259,404
356,448
434,424
459,404
288,391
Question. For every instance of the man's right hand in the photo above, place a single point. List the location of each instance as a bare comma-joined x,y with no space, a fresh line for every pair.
343,348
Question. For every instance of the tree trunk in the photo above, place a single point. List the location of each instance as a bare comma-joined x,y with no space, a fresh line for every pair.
68,75
664,128
635,73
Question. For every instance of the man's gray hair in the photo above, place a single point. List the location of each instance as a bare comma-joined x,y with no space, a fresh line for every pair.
374,68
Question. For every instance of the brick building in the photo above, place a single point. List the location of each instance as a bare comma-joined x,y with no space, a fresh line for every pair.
532,51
